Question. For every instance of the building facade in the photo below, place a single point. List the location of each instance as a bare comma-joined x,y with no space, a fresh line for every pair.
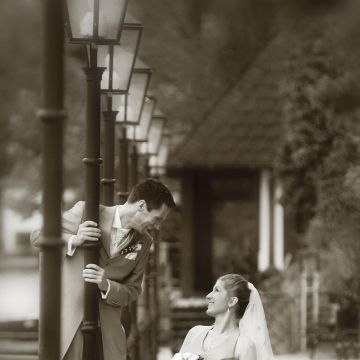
233,218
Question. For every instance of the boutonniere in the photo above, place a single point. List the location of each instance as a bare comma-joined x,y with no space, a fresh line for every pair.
133,252
138,246
132,248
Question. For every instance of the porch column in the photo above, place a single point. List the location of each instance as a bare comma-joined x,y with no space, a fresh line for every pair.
278,227
264,219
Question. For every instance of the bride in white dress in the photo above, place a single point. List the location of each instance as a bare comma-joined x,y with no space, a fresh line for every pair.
239,332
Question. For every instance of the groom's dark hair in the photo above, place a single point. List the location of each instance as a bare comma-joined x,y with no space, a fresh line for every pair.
154,192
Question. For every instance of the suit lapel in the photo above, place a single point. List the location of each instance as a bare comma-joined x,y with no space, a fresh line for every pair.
130,238
107,215
134,237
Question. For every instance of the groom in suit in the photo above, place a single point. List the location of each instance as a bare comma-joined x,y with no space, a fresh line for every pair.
125,233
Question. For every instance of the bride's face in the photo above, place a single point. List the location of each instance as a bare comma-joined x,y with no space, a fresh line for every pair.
218,300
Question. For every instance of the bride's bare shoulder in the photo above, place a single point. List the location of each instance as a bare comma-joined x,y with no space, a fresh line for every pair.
198,329
193,334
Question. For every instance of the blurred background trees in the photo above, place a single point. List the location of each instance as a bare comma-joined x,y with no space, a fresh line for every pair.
319,159
20,145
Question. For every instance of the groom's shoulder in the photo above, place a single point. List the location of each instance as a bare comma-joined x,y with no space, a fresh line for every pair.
106,208
80,206
76,209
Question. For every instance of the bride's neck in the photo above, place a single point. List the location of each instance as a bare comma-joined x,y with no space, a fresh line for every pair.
225,323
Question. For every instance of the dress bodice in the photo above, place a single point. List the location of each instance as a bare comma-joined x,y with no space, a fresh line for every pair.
224,347
221,348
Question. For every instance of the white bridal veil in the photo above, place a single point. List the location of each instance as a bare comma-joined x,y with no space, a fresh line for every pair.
253,325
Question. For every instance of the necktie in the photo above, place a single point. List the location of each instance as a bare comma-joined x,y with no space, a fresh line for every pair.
120,239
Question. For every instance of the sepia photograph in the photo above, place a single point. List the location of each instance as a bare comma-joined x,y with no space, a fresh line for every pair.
180,180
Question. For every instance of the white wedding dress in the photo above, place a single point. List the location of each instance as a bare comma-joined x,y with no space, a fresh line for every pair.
224,347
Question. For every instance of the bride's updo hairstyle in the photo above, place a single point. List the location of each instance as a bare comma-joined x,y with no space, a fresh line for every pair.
237,286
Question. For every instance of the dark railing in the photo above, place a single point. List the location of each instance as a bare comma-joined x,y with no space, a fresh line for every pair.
19,340
347,344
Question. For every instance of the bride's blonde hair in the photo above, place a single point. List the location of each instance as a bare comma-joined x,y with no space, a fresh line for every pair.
237,286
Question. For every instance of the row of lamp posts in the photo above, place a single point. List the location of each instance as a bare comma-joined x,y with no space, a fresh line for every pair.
118,82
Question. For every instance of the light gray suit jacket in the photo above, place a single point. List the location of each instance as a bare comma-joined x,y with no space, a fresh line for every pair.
125,278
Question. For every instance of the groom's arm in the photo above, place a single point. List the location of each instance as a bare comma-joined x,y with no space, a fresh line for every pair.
75,231
127,291
71,221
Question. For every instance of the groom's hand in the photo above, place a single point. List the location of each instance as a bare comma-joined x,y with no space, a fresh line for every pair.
87,232
95,274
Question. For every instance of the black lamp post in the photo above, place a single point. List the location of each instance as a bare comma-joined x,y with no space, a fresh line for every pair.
148,149
139,131
92,23
157,165
129,106
119,60
52,115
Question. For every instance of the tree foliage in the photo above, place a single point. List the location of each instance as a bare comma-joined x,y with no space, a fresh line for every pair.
319,159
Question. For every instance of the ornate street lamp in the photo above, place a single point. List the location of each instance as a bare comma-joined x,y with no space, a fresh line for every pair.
139,133
119,60
92,23
95,21
151,146
158,162
130,104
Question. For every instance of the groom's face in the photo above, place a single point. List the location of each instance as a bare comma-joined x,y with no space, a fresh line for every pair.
147,222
